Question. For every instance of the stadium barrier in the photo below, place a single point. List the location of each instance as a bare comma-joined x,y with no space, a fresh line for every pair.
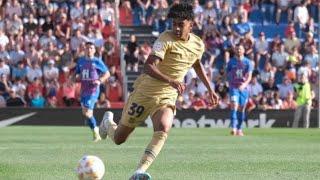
183,119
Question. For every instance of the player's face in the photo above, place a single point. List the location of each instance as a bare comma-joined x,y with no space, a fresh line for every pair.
90,50
182,28
240,50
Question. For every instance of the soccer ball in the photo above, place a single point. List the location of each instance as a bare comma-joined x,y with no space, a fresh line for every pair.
90,168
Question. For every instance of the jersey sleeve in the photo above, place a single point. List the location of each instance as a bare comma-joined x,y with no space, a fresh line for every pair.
102,68
160,46
202,47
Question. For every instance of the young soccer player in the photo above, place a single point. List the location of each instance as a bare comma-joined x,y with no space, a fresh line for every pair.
92,72
156,90
239,72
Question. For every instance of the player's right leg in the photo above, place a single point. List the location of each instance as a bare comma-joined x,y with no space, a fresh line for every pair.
234,103
162,122
88,113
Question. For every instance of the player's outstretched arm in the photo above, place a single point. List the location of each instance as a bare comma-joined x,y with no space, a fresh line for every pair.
203,77
150,68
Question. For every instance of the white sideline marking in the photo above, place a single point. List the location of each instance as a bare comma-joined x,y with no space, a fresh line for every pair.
7,122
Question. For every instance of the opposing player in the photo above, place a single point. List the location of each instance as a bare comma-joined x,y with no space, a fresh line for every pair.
92,72
239,72
156,90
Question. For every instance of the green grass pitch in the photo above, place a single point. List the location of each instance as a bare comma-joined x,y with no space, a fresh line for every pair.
52,153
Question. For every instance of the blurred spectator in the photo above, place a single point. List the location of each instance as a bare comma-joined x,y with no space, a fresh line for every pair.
267,73
276,102
198,102
4,68
226,26
304,96
288,102
20,86
103,102
241,11
291,42
113,90
45,39
50,72
294,56
198,14
12,7
263,104
76,11
159,16
307,43
37,100
270,86
283,5
285,88
34,87
34,71
4,40
77,40
301,14
15,25
69,92
280,57
254,88
242,27
66,57
261,48
16,55
14,100
20,71
5,85
30,23
209,11
63,29
91,9
107,13
125,13
312,58
131,53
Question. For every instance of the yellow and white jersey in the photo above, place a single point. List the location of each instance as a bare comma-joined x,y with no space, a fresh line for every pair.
177,56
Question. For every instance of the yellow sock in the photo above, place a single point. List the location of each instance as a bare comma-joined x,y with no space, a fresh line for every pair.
152,150
111,129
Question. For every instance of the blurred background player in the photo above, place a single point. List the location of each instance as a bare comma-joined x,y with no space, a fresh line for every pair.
156,91
239,72
92,72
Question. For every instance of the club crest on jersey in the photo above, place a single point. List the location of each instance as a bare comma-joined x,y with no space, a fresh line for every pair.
157,46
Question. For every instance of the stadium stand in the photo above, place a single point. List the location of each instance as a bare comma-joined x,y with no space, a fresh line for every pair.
41,40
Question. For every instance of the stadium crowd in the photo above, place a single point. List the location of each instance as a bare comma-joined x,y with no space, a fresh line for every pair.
41,40
279,61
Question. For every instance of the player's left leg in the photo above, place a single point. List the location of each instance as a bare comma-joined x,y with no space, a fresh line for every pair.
234,104
162,122
92,123
244,96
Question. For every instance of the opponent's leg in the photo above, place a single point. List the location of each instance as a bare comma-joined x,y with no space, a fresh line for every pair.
244,96
234,103
241,117
92,123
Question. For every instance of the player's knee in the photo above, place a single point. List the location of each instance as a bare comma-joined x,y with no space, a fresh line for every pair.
119,141
87,114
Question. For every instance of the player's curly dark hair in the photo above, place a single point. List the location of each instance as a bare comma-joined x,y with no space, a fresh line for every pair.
181,11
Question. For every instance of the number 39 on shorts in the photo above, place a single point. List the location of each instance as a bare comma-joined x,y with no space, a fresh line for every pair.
135,110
